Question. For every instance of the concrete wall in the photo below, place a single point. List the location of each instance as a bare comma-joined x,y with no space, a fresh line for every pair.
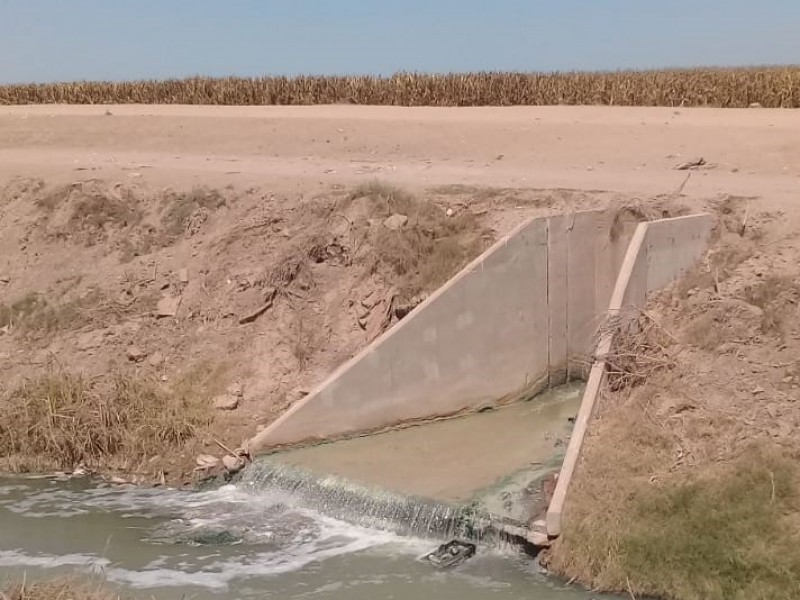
659,252
518,319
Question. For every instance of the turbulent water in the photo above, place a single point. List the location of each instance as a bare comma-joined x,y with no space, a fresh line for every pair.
247,540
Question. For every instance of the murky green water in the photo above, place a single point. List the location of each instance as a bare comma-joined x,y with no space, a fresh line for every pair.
236,542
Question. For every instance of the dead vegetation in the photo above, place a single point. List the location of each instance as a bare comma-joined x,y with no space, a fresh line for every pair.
688,487
424,246
770,87
184,213
61,589
35,314
60,420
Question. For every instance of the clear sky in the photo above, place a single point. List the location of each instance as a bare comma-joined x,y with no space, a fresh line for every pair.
57,40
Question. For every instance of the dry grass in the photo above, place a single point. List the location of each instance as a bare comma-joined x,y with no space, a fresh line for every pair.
185,212
61,589
689,485
59,420
723,533
424,253
721,87
34,313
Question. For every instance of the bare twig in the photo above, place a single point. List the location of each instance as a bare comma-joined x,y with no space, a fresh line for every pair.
744,219
224,447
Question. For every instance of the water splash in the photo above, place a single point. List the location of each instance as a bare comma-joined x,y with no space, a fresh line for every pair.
379,509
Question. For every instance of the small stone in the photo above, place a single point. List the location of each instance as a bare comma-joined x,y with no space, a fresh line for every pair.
226,402
156,359
758,390
118,481
234,464
90,340
787,379
168,306
183,275
235,389
755,105
207,461
449,212
5,279
395,222
136,354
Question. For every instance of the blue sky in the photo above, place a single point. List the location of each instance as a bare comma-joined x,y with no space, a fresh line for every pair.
57,40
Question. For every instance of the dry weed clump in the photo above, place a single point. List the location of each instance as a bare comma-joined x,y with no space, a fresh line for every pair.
772,87
36,314
184,213
60,589
88,211
641,349
59,420
425,252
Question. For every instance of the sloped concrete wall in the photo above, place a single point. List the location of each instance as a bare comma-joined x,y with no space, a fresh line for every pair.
518,319
659,253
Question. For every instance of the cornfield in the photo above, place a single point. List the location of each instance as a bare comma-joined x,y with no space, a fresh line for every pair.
771,87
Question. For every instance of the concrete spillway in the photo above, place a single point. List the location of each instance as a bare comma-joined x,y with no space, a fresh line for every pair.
520,319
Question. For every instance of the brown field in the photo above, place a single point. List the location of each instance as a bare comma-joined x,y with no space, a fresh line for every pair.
772,87
137,241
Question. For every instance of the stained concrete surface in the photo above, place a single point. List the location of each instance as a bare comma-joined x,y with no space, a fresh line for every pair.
485,456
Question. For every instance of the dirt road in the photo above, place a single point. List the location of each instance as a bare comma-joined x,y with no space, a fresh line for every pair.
632,150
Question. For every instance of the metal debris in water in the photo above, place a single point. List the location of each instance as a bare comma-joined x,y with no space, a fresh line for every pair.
451,554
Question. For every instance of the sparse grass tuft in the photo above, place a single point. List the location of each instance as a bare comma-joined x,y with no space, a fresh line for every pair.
60,589
60,419
185,212
429,249
33,313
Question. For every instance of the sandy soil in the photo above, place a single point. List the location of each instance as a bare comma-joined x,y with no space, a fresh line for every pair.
276,175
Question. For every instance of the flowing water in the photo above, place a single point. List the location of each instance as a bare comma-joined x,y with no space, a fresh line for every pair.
244,540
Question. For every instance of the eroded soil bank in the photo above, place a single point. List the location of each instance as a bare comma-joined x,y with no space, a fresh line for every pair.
689,486
143,327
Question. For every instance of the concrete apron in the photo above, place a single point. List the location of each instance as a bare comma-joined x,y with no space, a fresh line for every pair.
522,318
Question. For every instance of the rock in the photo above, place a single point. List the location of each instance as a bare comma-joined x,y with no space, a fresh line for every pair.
207,461
90,340
183,275
156,359
755,105
450,212
118,481
5,279
136,354
235,389
226,402
234,464
758,390
395,222
168,306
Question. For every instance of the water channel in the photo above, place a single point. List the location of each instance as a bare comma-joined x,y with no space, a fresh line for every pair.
271,534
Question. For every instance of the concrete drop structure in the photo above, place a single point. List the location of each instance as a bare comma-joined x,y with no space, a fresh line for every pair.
521,318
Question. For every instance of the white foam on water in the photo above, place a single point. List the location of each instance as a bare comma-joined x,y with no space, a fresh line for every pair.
273,535
332,539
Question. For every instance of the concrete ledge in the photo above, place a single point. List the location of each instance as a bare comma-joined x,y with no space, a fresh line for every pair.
659,252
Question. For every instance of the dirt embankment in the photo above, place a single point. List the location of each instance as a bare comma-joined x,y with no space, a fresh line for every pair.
142,327
689,487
